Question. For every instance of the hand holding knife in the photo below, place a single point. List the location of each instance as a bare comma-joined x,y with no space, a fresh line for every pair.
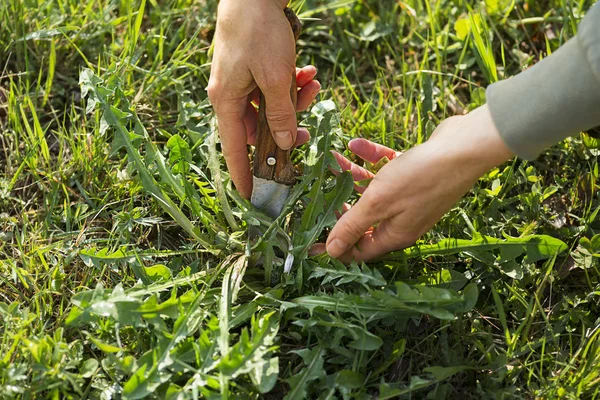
273,172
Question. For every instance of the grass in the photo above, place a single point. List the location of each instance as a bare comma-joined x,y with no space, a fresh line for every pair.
125,268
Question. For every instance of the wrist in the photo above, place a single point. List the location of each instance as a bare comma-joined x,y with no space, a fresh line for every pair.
472,143
491,148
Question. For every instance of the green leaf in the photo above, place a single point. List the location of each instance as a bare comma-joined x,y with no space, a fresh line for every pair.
98,258
180,154
591,245
478,97
408,301
373,30
447,279
349,380
153,370
116,117
264,375
313,361
442,373
462,26
158,271
45,34
229,288
366,341
107,348
333,270
88,368
470,294
589,141
252,354
498,7
334,201
534,247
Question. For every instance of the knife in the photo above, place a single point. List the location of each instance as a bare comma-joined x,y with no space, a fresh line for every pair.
273,171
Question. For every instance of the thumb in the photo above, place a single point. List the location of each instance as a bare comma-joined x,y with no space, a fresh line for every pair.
350,228
280,112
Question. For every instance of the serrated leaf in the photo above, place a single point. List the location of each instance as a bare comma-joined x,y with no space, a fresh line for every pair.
407,301
334,201
264,376
336,271
534,247
154,370
252,354
116,117
313,361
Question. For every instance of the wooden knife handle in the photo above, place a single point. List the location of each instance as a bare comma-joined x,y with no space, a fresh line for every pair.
271,162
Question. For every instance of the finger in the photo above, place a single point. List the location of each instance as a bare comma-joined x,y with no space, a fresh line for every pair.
351,227
302,137
386,237
317,249
358,172
371,152
251,121
232,130
345,208
280,111
307,94
305,75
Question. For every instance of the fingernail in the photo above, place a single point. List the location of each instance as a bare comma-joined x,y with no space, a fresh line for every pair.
352,142
336,248
284,139
316,249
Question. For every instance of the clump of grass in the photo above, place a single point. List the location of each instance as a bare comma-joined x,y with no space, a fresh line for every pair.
125,266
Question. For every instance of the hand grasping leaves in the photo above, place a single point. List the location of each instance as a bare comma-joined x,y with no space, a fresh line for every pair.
415,189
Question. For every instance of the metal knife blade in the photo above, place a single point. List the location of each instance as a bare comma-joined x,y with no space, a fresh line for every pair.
269,196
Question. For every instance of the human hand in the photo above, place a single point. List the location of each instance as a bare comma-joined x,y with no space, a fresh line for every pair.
254,49
414,190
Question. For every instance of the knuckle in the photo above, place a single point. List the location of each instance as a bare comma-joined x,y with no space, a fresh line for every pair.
242,180
278,81
373,199
234,152
214,90
352,228
279,115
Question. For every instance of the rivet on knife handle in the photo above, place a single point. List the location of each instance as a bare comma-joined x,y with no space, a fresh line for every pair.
271,162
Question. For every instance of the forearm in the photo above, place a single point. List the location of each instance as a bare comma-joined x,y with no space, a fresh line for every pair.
556,98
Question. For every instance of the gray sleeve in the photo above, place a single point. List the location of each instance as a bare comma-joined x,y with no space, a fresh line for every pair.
556,98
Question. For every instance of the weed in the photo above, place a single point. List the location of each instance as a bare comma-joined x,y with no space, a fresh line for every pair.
125,266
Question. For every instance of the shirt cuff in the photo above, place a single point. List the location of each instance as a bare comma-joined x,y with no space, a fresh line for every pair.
556,98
